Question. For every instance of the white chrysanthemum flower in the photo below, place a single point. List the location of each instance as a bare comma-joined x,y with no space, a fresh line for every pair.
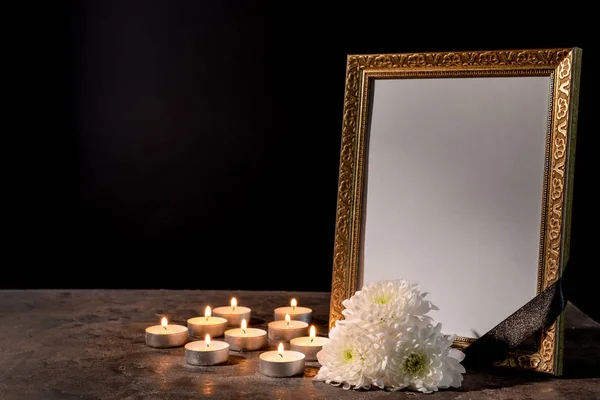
389,304
421,359
353,358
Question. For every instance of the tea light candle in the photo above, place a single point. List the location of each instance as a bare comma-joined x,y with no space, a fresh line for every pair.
233,314
281,363
200,326
309,346
166,335
206,352
287,330
246,339
295,312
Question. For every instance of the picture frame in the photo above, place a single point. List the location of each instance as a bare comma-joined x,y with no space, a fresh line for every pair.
456,173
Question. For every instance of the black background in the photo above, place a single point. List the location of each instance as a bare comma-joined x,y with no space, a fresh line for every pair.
195,144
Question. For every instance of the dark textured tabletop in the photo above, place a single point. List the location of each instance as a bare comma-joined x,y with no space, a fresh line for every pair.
90,344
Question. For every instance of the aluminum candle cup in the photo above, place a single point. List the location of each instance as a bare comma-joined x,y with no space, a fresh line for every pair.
200,352
308,346
198,327
233,314
280,364
295,313
284,331
166,335
248,339
233,317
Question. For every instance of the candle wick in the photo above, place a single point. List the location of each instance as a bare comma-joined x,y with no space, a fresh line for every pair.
281,355
165,327
207,317
244,331
233,308
311,339
207,344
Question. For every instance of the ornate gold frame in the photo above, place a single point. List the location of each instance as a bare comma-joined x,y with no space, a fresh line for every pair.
563,66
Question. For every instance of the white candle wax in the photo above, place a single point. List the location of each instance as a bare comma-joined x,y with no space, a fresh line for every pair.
171,335
200,326
285,331
234,316
282,364
246,339
309,346
295,313
199,353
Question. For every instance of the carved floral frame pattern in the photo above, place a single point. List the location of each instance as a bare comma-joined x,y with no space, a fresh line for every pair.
563,66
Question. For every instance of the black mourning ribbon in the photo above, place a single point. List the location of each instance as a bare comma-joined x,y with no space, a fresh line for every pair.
536,314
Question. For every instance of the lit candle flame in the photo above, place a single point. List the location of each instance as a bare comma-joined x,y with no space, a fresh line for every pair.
244,325
164,322
287,319
207,340
294,303
313,333
207,312
280,350
233,303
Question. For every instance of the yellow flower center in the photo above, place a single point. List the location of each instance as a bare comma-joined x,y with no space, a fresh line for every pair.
382,299
348,355
414,364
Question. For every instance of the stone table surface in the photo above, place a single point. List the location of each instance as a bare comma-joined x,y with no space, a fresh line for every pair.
90,344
